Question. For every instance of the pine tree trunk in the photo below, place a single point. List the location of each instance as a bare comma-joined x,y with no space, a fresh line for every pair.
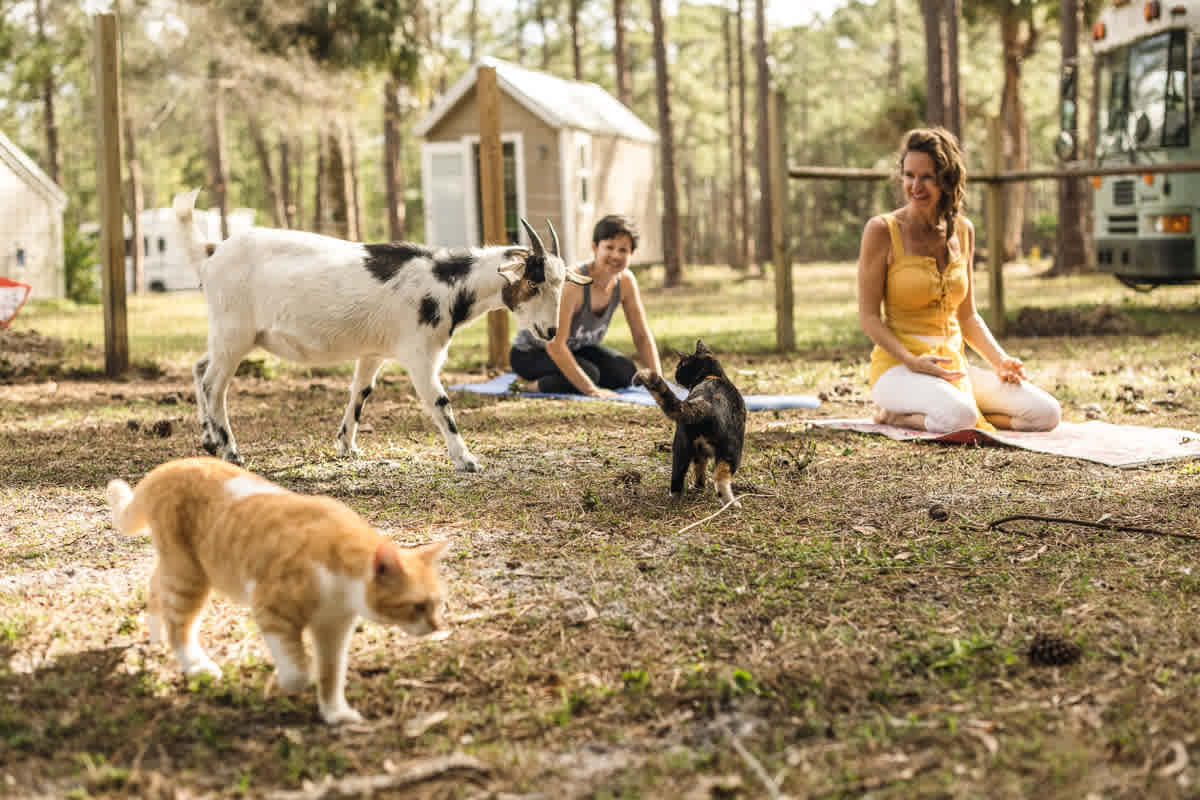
318,218
1016,132
274,196
336,180
53,158
671,234
895,56
1070,252
353,189
473,31
573,22
539,16
285,183
620,55
763,144
218,179
935,86
734,227
747,235
393,166
954,99
136,201
298,160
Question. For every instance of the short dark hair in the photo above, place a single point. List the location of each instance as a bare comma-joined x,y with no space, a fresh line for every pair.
614,225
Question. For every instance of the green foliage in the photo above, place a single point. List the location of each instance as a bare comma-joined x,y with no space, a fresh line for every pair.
81,266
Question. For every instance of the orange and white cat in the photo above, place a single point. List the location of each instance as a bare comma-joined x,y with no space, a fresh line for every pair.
297,561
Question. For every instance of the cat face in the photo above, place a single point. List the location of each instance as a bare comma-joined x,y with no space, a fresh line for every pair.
696,367
405,588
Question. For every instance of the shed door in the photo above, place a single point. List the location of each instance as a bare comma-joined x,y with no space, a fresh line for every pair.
446,190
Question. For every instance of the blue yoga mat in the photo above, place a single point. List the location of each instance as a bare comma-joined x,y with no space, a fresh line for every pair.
502,384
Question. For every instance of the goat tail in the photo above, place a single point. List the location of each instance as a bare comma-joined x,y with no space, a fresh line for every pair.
127,516
194,240
672,406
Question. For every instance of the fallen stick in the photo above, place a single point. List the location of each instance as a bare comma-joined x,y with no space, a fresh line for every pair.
367,785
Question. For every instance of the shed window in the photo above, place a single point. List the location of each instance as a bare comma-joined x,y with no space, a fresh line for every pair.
20,256
162,245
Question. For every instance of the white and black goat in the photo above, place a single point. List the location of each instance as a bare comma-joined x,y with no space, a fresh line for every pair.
319,300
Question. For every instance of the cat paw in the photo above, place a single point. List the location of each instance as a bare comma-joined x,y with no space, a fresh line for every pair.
341,716
642,377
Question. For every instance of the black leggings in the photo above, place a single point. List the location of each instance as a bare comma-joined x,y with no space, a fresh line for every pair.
606,367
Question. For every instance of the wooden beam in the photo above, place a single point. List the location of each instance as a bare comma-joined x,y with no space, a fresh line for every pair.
491,189
108,189
995,225
1076,170
785,331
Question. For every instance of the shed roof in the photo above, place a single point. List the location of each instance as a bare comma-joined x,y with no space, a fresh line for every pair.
559,102
24,166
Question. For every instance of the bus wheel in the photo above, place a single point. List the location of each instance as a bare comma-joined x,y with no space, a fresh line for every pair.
1135,284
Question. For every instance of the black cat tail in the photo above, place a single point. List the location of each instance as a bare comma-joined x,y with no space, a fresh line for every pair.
672,406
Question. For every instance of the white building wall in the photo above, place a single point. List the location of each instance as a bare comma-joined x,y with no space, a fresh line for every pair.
31,243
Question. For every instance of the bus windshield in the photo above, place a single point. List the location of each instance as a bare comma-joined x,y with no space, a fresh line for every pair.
1145,79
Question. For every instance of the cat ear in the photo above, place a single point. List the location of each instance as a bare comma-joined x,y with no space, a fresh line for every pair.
433,551
702,348
387,560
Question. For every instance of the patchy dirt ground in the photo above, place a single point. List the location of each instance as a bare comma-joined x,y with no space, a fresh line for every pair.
856,629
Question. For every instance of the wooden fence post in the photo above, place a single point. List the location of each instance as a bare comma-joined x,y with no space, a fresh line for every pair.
995,223
785,331
491,189
108,188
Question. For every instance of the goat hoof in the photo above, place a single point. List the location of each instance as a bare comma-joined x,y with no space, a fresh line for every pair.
347,452
235,458
469,464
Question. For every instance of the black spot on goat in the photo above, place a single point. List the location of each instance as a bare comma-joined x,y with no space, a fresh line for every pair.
453,267
460,312
430,313
385,260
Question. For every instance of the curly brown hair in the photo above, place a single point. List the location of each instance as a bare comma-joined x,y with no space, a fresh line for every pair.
949,167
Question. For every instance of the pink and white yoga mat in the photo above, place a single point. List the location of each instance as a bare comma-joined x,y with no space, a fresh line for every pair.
1101,442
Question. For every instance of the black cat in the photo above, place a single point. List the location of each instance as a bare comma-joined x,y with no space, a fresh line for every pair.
711,422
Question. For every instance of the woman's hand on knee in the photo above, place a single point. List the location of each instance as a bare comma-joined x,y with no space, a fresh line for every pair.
930,364
1010,370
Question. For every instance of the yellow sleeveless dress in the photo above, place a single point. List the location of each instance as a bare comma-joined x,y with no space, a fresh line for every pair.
919,300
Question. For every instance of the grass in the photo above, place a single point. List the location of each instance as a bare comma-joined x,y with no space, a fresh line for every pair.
835,634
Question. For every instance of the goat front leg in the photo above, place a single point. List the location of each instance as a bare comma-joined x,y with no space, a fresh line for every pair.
365,372
211,388
437,405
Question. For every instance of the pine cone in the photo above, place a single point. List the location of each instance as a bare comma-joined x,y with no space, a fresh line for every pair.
1051,650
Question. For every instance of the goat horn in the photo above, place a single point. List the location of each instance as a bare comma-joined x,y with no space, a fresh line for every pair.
553,235
535,240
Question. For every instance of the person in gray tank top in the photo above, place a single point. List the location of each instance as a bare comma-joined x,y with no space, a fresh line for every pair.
575,361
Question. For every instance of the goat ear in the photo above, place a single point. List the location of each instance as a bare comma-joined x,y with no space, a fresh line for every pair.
512,271
578,277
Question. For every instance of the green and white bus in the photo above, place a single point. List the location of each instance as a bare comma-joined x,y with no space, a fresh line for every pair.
1148,68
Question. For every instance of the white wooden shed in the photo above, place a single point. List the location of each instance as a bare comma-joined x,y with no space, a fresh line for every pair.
31,224
572,154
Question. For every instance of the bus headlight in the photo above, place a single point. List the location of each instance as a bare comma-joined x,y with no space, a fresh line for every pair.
1172,223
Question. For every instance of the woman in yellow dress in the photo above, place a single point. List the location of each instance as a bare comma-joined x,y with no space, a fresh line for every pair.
916,302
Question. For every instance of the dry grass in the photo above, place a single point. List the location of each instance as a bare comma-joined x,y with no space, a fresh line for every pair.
832,638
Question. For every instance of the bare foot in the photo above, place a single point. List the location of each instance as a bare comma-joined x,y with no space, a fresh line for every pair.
885,417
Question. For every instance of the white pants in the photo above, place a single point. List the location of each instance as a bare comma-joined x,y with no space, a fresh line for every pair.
902,391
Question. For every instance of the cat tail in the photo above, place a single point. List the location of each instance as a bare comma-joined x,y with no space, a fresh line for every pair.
124,511
672,406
